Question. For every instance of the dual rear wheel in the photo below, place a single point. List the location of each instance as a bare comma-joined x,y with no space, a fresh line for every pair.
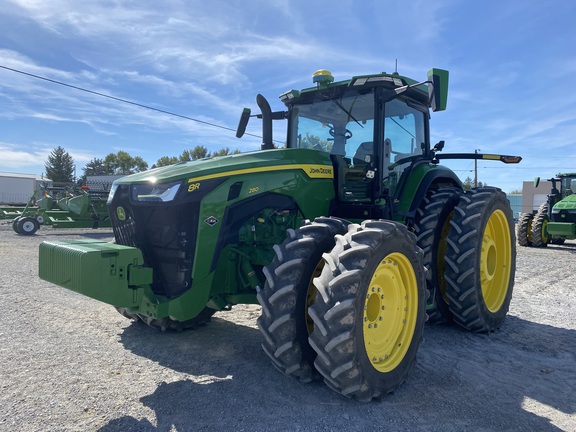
539,236
345,303
353,311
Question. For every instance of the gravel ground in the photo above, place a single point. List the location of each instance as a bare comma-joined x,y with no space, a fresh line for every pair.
70,363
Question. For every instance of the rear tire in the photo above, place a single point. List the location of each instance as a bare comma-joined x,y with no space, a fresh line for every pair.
369,313
432,226
524,229
540,237
481,260
288,293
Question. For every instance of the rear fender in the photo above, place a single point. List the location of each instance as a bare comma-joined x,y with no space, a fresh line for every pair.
421,178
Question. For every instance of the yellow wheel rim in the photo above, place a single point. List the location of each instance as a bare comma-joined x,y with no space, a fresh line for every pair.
311,296
544,232
495,261
390,312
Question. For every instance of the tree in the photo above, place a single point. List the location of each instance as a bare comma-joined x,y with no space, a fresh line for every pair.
165,161
198,152
122,163
315,142
60,166
94,168
468,183
201,152
221,152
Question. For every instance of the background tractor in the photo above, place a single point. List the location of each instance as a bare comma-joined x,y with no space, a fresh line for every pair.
555,220
348,236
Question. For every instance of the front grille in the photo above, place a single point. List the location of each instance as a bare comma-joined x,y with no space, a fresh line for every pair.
164,232
568,216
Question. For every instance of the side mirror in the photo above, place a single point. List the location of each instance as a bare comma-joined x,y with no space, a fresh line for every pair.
243,122
438,89
536,181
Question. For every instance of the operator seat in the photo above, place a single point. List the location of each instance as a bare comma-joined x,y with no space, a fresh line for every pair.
364,154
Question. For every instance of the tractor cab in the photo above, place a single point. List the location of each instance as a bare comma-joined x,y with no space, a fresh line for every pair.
563,209
374,128
567,184
370,142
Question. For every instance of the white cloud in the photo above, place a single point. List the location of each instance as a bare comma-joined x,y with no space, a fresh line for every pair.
13,156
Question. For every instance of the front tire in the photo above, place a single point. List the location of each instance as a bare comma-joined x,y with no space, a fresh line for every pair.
481,260
369,313
540,237
168,324
524,229
164,324
289,291
557,241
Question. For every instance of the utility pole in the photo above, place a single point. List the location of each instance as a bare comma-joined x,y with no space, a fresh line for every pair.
476,169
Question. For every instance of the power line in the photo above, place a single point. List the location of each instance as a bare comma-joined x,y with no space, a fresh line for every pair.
122,100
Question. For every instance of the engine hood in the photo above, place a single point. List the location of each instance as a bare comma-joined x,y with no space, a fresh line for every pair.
568,203
314,163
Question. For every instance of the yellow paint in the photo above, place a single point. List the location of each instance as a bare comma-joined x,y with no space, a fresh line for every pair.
193,187
312,170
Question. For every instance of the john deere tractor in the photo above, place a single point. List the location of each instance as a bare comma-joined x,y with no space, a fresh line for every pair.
555,220
349,236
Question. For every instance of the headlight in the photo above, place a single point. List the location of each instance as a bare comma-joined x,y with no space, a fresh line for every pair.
162,192
111,193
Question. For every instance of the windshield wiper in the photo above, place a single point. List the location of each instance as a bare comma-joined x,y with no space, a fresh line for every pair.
347,112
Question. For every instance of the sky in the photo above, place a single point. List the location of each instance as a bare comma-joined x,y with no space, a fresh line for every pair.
512,65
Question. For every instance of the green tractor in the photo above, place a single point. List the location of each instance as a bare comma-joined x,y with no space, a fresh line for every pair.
555,220
349,236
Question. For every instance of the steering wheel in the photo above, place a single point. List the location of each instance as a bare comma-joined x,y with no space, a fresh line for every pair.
347,134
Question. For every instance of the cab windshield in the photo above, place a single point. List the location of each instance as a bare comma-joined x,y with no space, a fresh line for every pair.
345,127
337,126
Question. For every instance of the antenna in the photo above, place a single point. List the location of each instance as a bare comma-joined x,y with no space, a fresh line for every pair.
396,67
